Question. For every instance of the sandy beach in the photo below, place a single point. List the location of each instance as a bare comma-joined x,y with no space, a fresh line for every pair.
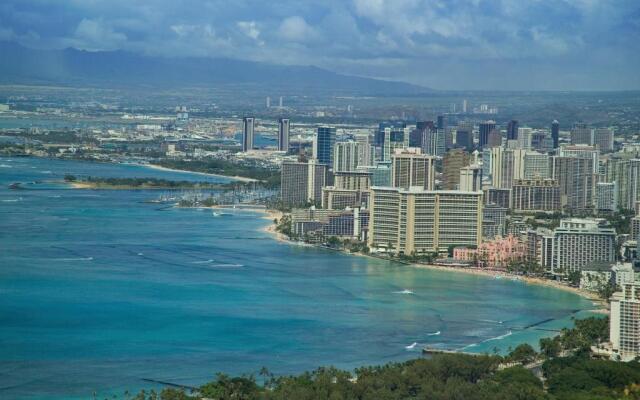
237,178
599,304
270,215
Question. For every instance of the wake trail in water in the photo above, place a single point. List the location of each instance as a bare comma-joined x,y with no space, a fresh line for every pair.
203,262
405,291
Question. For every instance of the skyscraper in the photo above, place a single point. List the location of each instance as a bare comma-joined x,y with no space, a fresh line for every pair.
470,179
464,136
485,128
452,162
512,130
345,156
247,133
302,182
555,133
603,139
379,136
283,134
581,133
325,142
577,182
412,169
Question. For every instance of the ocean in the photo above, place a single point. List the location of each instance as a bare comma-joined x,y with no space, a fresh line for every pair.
102,292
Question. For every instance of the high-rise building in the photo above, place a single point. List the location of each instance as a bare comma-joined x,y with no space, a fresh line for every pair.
379,135
326,140
465,105
434,142
380,173
345,156
502,167
441,122
283,134
494,220
484,130
470,178
247,133
555,133
366,150
581,242
606,196
495,138
525,138
302,182
280,102
452,162
624,326
577,182
535,195
512,130
500,197
581,134
464,136
394,139
603,139
268,102
421,221
410,169
625,172
350,189
581,151
534,166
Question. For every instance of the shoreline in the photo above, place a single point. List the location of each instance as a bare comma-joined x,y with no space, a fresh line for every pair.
598,303
161,168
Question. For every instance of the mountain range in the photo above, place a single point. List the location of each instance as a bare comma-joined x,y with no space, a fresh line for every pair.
116,69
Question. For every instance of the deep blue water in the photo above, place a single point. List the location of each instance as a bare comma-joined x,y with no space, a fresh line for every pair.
99,290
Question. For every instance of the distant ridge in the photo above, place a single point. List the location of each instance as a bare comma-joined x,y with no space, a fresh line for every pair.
21,65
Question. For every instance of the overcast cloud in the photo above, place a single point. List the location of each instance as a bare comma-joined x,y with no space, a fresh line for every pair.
455,44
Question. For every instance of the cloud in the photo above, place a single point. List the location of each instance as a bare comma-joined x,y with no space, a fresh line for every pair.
296,29
95,34
456,44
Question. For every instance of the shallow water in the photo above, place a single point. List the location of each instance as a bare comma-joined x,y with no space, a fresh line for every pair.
99,290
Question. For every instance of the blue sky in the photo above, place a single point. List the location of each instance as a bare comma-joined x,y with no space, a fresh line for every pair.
455,44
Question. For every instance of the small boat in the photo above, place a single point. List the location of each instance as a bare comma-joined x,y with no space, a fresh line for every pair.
15,186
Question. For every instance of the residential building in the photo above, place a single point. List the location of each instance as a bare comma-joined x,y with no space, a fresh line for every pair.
410,168
452,162
577,182
603,139
345,156
606,197
470,178
494,221
501,197
535,195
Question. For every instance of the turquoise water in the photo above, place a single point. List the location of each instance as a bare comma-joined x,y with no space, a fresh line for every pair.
99,290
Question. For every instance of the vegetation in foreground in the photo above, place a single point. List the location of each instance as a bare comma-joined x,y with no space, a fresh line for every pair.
563,370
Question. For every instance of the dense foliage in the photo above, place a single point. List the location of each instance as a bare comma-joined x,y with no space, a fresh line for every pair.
270,178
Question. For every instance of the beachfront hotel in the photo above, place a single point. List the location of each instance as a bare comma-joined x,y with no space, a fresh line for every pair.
423,221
